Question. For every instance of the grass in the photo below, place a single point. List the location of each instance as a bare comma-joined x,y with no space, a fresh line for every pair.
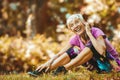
71,76
80,74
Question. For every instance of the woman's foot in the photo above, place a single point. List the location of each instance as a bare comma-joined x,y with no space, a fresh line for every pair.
60,69
36,73
33,73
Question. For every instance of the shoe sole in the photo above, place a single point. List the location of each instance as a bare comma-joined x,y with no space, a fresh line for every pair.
31,74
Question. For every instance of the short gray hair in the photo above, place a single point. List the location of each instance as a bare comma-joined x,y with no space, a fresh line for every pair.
74,16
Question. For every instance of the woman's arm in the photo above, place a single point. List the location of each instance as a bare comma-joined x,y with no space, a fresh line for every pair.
48,64
99,43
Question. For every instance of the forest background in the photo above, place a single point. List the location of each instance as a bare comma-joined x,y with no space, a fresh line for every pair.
32,31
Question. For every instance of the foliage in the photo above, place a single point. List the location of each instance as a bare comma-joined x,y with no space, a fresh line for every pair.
50,13
19,54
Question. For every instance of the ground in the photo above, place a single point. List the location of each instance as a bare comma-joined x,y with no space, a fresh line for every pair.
80,74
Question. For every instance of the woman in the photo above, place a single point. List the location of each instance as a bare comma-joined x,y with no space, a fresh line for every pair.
87,45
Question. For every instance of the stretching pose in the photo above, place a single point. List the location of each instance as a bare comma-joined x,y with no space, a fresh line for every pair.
88,45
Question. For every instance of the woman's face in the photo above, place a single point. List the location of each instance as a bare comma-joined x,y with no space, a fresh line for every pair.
76,26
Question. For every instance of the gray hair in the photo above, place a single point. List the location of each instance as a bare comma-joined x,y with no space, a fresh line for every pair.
75,16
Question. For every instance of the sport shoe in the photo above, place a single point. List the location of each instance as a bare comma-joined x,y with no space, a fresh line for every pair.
33,73
36,73
59,70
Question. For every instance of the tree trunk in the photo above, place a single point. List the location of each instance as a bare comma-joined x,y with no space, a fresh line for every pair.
41,15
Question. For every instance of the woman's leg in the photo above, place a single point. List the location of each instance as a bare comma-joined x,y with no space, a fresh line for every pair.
83,57
62,60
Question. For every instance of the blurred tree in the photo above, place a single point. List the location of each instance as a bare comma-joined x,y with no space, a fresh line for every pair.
0,8
41,15
50,13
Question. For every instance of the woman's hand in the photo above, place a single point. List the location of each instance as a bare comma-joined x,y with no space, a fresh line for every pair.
45,66
88,29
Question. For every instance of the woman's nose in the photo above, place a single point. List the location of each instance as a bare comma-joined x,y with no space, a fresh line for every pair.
74,27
